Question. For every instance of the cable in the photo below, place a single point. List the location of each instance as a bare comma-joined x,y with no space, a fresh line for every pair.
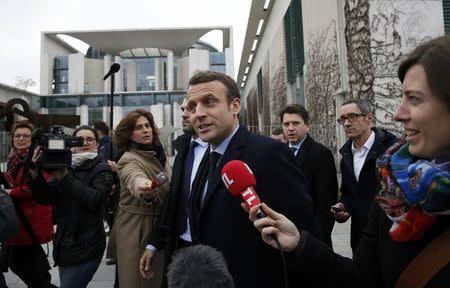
283,259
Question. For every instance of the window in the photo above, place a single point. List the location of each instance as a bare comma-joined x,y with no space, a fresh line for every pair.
260,91
446,9
293,29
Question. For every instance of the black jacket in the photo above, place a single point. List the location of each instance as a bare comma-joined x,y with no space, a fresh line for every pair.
358,196
222,223
78,204
317,164
378,260
166,233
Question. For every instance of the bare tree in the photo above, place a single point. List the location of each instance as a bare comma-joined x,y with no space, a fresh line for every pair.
23,83
357,36
322,82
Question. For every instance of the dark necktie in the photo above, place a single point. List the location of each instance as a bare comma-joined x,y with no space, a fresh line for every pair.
184,197
206,179
293,149
213,158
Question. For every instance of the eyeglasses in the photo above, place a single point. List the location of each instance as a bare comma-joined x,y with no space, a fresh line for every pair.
90,140
24,136
350,117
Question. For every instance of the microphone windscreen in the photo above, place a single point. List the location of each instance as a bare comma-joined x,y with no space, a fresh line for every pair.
237,177
115,67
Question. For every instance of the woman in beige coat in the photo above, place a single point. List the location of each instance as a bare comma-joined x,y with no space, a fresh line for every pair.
139,204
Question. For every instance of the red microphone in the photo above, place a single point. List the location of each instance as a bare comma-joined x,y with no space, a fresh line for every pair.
158,180
239,180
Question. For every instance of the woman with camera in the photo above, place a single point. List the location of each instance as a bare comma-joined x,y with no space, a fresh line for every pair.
78,194
139,203
23,253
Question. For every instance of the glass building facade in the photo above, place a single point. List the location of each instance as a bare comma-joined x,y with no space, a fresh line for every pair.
67,104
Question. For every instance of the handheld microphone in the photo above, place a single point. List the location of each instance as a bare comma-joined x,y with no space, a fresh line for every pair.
239,180
113,69
159,180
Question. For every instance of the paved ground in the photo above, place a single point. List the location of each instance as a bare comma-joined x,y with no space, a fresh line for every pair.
104,278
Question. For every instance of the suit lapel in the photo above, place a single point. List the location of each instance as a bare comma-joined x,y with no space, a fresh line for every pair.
304,150
232,152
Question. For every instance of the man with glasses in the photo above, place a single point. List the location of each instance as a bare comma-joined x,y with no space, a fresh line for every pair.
359,154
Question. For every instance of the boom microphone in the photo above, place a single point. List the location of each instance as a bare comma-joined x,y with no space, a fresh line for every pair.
239,180
159,180
113,69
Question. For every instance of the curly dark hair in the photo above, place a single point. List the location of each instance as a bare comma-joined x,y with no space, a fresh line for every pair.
123,131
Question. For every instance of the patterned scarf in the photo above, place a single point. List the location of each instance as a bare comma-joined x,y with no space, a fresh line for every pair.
413,191
15,162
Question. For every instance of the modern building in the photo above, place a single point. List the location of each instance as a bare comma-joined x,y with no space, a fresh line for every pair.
156,65
319,52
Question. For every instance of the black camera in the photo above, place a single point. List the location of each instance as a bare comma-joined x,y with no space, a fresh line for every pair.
55,147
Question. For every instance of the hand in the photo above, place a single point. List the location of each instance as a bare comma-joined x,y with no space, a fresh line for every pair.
340,213
113,165
275,223
145,264
59,174
145,189
37,154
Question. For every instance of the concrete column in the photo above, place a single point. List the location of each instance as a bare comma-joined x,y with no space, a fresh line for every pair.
229,62
198,60
167,115
84,115
106,66
76,73
177,119
158,114
159,74
105,115
118,114
170,72
118,76
131,76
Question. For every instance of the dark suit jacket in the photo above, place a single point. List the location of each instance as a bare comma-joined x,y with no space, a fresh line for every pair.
358,196
317,164
222,223
166,233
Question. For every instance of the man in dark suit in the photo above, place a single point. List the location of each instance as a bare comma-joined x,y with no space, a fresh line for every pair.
217,218
316,162
358,164
172,230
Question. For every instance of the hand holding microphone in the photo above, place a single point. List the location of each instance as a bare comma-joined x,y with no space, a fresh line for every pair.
147,187
239,180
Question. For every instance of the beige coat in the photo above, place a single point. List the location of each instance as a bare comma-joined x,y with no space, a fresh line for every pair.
135,218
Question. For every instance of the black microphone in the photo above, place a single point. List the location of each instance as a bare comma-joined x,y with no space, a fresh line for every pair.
114,68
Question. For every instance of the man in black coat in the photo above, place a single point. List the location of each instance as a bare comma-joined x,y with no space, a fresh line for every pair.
172,230
316,162
217,218
359,175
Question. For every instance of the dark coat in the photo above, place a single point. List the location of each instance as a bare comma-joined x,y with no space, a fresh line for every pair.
166,233
78,201
378,260
317,164
222,223
358,196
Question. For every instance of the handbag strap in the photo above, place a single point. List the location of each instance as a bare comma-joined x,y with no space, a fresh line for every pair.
427,263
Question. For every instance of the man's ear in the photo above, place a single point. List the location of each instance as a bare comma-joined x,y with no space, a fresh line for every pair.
371,118
235,106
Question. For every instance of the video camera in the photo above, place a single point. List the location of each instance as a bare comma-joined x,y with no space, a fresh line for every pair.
55,147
